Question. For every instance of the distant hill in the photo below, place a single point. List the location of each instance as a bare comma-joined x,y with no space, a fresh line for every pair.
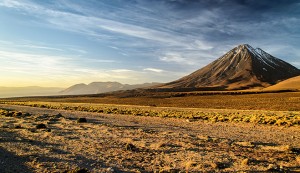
291,83
28,91
102,87
243,67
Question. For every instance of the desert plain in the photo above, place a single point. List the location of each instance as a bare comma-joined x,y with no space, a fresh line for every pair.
185,133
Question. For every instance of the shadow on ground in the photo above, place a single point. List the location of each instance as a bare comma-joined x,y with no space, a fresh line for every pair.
10,163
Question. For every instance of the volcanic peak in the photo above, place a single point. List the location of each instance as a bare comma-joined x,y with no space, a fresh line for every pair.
242,67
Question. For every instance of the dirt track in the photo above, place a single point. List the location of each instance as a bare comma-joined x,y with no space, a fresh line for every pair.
121,143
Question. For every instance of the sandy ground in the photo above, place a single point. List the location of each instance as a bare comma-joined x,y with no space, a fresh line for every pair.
121,143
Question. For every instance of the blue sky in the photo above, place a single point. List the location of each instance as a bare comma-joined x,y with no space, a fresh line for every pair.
64,42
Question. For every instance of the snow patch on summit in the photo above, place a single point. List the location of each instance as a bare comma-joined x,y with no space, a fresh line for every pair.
262,56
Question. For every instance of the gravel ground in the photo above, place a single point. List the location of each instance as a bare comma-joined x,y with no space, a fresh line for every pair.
121,143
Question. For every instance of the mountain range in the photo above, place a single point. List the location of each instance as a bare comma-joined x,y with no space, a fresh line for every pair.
102,87
243,67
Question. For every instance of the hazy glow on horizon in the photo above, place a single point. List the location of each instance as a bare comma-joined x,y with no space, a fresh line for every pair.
63,42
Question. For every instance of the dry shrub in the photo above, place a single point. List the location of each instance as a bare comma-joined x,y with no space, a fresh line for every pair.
263,117
280,148
244,144
273,168
190,164
204,138
298,159
245,162
168,170
158,145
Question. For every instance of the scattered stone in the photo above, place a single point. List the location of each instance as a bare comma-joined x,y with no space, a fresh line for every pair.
18,126
48,130
220,165
10,114
81,120
33,130
41,126
26,114
130,147
17,114
59,115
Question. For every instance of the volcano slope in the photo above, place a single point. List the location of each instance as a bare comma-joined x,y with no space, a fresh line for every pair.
243,67
291,83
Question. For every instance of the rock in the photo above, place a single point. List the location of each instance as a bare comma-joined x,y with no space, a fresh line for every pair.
18,126
33,130
59,115
220,165
130,147
41,126
81,120
48,130
26,114
10,114
17,114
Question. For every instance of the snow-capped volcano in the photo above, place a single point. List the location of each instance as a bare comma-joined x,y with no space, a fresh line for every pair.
241,68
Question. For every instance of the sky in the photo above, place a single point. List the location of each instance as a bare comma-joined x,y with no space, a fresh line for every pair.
59,43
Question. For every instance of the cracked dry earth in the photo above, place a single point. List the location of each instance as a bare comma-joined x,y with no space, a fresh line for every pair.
121,143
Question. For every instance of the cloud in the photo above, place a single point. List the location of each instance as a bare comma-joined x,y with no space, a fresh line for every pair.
5,42
40,47
175,57
78,50
121,70
154,70
114,47
44,70
33,62
101,27
202,46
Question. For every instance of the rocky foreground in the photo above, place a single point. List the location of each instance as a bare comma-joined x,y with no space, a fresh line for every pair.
43,140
